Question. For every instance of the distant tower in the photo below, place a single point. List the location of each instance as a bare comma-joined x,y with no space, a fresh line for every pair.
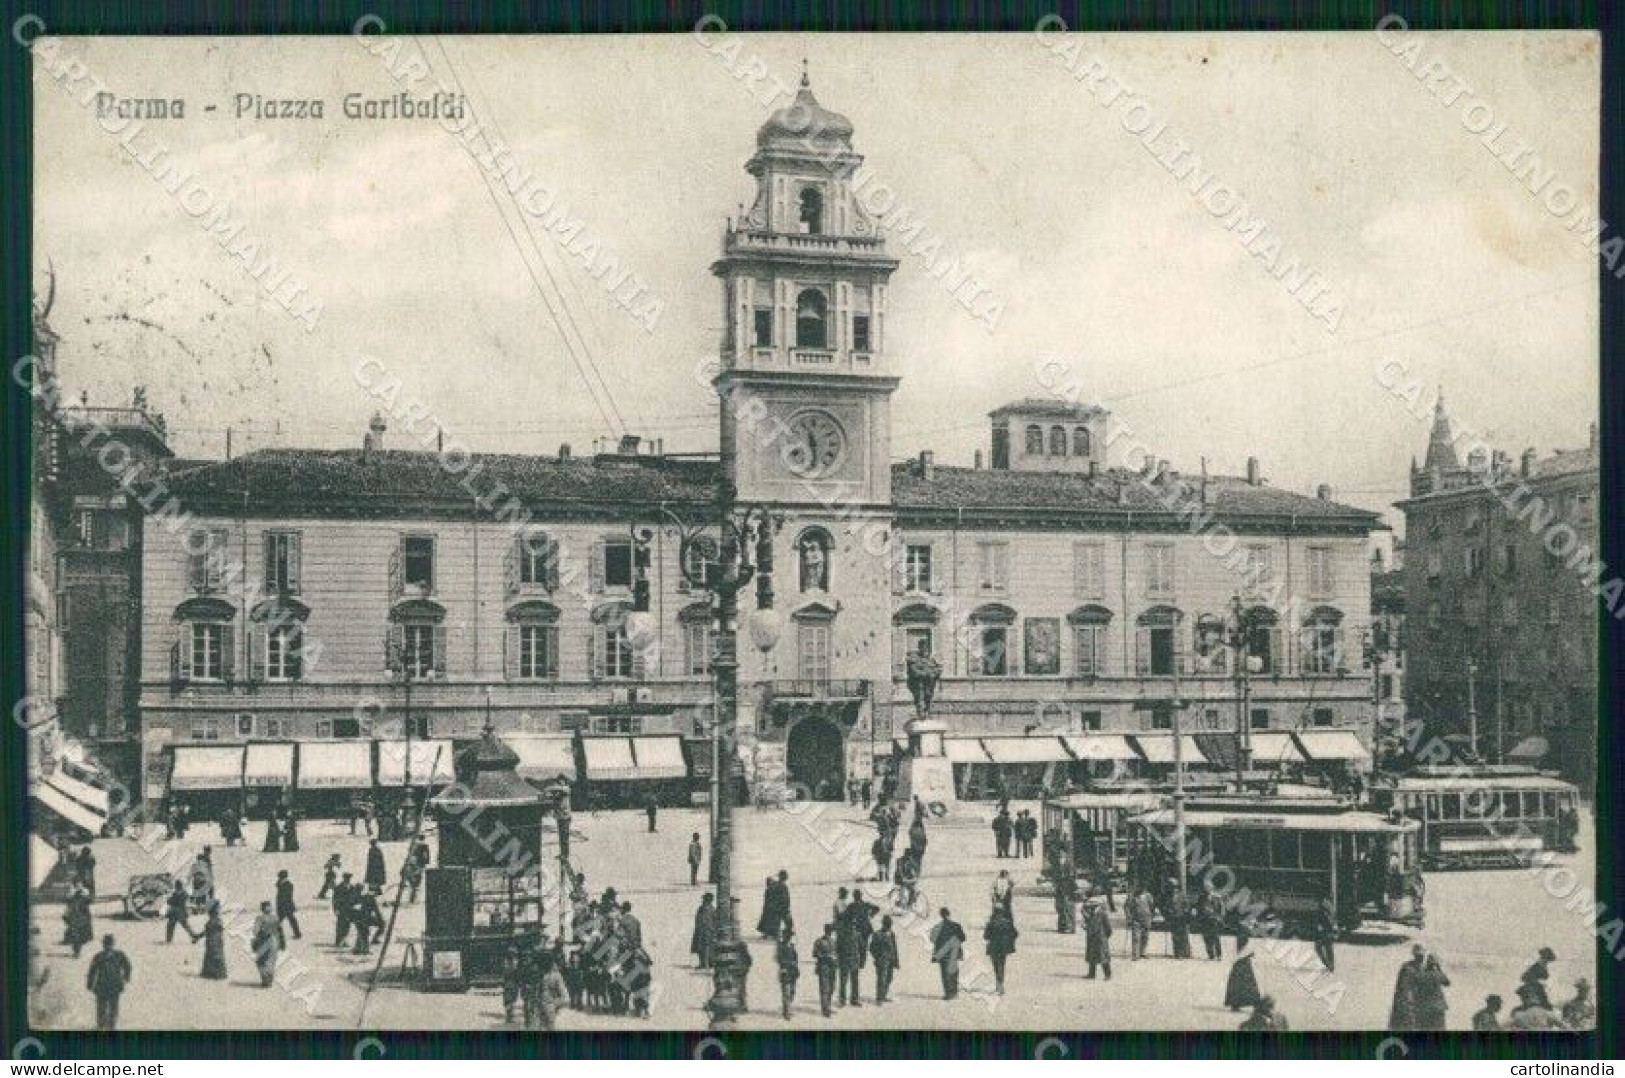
1441,460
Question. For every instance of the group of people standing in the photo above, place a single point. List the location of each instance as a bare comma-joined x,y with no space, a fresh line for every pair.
1535,1009
1022,829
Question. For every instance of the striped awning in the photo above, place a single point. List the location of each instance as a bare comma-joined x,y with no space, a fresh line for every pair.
1333,745
1273,747
268,764
659,757
92,797
609,758
1100,747
335,765
1026,750
69,810
1159,748
542,758
207,767
424,755
965,750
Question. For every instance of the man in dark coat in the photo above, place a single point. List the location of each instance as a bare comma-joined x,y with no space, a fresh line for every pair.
696,856
883,948
330,877
368,920
343,909
1179,927
699,943
1139,913
1241,987
1210,922
87,870
286,911
1097,930
651,810
231,827
1001,833
376,875
1538,974
1326,934
108,976
789,970
826,963
176,911
947,949
1000,934
849,954
1402,1015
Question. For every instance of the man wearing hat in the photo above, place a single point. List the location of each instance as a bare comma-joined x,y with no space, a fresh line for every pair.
1097,930
1539,973
108,976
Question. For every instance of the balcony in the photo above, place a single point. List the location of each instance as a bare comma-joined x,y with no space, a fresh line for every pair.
813,689
812,357
744,241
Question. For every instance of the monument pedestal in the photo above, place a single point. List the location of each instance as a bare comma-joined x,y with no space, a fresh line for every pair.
926,772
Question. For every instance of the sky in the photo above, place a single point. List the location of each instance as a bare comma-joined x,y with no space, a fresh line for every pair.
1103,263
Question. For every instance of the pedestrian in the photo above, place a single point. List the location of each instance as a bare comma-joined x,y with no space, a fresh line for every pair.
330,877
825,965
1065,902
1532,1013
1326,934
512,976
849,952
286,911
907,879
1097,948
290,833
789,970
841,903
1029,831
1539,973
630,928
1488,1019
343,910
1402,1016
87,870
696,855
78,925
1177,918
555,994
1241,987
651,810
355,813
699,943
186,819
273,835
202,873
1001,833
1430,1002
947,949
1210,922
176,913
1000,934
214,945
1265,1018
1139,914
412,877
368,918
376,875
883,948
866,792
1581,1011
263,942
231,827
108,976
880,853
1004,889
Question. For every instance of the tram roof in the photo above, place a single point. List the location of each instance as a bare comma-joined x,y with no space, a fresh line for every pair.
1463,783
1284,819
1130,800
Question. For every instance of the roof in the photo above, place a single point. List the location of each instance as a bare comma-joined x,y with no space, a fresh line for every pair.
804,121
1048,407
1566,462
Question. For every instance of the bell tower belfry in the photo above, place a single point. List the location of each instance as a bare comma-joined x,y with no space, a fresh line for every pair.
805,376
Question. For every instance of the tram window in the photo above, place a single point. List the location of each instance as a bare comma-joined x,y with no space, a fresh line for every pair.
1509,806
1316,851
1252,848
1476,804
1433,806
1225,846
1548,804
1451,808
1284,849
1531,805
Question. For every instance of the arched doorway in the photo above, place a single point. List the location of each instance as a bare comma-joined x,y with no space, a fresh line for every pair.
815,758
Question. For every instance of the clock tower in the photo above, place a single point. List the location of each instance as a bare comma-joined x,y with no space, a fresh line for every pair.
804,377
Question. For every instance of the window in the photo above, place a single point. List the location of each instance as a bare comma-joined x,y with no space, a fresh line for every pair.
1260,718
417,561
1159,569
1043,646
1262,631
282,562
615,650
1158,641
1088,650
206,730
1324,716
101,529
538,647
812,311
1035,440
701,552
347,727
1080,442
208,650
1385,686
1090,720
995,565
992,658
1322,642
917,568
618,563
419,655
1258,570
276,728
1057,441
1089,570
699,645
1161,642
812,649
860,333
1509,559
812,211
763,327
1472,561
1320,571
284,658
538,557
245,724
207,557
1435,565
1162,717
813,550
917,640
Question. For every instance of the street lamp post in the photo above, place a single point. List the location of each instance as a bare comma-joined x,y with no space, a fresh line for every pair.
743,553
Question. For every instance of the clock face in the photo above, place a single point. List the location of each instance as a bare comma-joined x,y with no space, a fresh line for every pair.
814,445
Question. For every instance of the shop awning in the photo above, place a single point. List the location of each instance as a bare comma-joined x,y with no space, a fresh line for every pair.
543,758
659,757
92,797
340,765
1333,745
1026,750
392,757
59,804
965,750
207,767
1100,747
609,758
1159,749
268,764
1273,747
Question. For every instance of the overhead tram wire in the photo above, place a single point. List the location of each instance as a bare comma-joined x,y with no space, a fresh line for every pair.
603,398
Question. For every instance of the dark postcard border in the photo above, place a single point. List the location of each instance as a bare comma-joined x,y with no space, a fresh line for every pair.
625,16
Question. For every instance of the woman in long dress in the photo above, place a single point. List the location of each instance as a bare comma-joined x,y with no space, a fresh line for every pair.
80,928
214,945
273,836
264,944
1241,990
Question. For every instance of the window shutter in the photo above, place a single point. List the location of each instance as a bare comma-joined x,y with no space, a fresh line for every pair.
295,656
268,555
395,648
899,652
440,651
595,567
257,643
550,566
228,652
181,656
296,546
1277,650
595,653
511,562
395,579
1338,665
197,566
1142,650
510,652
899,576
973,650
550,640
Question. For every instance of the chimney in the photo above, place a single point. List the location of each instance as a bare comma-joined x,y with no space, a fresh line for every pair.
1324,492
375,439
977,458
1252,472
1526,462
564,451
928,468
629,445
